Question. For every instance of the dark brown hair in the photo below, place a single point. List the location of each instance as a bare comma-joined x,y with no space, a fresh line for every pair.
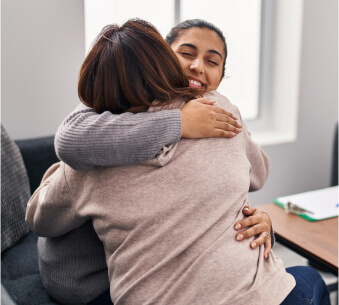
130,66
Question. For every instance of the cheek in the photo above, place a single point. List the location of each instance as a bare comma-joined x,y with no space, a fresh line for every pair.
214,79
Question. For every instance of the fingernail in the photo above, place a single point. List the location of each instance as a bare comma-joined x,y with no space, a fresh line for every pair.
265,256
237,226
253,245
240,236
246,208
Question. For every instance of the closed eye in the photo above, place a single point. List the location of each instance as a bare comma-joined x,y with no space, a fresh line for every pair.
213,62
186,54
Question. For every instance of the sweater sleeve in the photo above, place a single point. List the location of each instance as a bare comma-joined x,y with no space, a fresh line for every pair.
258,160
86,138
50,211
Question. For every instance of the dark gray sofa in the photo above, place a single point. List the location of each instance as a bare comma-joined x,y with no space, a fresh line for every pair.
20,278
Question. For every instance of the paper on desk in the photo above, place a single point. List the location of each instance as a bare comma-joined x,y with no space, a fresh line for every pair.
322,203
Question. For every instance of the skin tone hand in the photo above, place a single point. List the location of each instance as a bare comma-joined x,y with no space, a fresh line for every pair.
200,119
256,223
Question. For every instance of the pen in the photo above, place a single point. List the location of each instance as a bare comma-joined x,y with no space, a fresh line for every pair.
293,208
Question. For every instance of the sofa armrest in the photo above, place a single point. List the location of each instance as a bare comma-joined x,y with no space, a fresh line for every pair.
38,155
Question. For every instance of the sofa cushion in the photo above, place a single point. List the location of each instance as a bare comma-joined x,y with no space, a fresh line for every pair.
20,273
15,192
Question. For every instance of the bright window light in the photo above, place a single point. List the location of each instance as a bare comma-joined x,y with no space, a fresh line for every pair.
240,21
100,13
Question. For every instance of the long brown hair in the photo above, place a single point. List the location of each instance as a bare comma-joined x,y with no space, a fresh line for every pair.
130,66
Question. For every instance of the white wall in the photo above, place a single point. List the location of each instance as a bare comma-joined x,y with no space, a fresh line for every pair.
306,164
43,48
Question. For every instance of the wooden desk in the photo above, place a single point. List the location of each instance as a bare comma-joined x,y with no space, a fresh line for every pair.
314,240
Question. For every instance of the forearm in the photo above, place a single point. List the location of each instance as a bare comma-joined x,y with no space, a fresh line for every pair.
86,138
258,160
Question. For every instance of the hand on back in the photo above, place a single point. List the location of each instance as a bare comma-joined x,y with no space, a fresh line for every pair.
200,119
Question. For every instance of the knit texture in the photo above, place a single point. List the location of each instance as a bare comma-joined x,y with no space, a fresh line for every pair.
86,138
15,192
168,231
73,267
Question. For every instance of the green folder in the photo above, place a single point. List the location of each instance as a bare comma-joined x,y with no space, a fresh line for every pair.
314,205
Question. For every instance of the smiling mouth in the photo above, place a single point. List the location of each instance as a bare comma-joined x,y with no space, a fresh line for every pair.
196,84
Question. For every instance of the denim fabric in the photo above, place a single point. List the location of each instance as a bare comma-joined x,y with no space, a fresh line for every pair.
310,288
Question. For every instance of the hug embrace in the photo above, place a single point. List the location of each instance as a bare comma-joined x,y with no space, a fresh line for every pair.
149,204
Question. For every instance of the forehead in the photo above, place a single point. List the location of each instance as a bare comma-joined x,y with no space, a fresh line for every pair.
204,39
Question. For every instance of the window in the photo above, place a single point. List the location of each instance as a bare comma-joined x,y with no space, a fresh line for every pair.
240,22
102,12
264,43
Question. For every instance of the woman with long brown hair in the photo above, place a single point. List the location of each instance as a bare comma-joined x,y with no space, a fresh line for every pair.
124,73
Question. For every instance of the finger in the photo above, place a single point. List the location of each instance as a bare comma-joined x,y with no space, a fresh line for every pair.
226,119
254,216
268,248
247,210
250,232
224,112
220,133
227,127
252,219
205,101
260,240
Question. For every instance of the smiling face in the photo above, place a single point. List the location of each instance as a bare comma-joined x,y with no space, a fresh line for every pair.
201,52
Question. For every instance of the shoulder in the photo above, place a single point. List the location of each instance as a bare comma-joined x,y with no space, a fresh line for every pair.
80,110
222,102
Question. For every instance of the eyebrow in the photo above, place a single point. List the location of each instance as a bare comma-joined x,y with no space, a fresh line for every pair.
195,48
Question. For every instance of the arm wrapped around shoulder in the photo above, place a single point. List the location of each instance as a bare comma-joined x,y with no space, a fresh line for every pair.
49,211
259,162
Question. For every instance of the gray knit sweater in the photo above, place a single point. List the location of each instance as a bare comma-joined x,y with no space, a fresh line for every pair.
167,225
86,138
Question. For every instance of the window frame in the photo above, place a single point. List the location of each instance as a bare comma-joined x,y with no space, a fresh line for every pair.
279,71
279,102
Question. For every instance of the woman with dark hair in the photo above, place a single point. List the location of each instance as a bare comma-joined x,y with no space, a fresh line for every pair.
89,138
123,72
166,224
181,27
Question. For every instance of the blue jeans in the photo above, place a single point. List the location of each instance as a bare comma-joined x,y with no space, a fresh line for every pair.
310,288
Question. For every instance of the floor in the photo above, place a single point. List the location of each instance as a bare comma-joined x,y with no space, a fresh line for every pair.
290,259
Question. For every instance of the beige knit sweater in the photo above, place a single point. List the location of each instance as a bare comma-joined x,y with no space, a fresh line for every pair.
167,225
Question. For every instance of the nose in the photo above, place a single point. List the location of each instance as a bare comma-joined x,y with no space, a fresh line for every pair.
197,65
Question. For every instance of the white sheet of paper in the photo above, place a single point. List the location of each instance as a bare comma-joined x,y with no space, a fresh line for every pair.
323,203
